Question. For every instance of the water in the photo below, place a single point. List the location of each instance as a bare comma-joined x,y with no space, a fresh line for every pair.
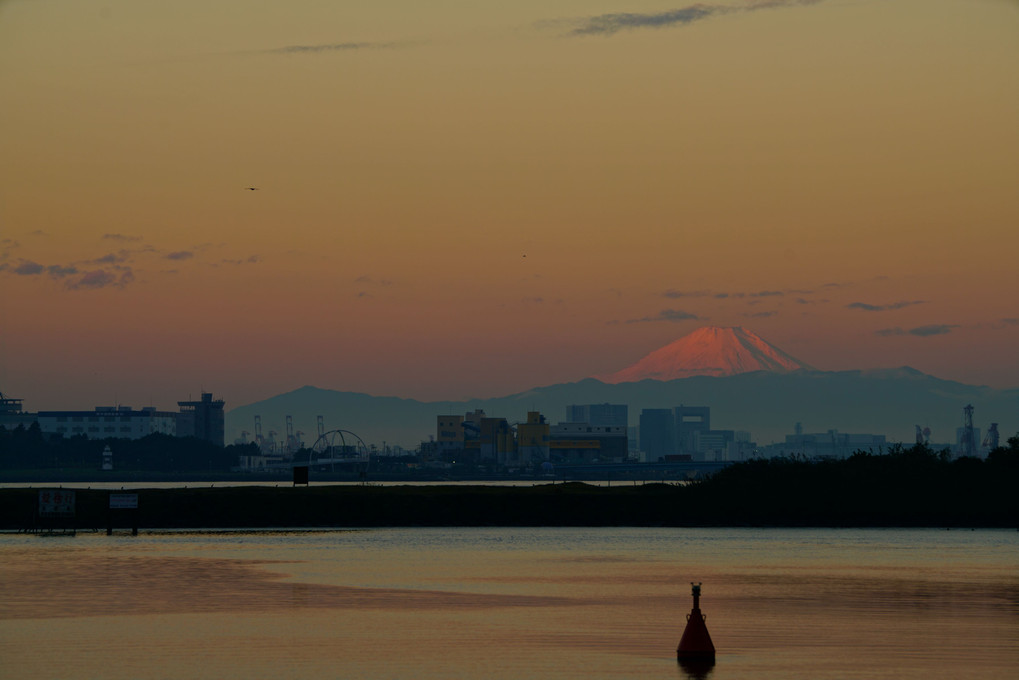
509,603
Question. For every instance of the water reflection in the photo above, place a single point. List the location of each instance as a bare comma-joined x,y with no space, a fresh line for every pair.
509,603
695,669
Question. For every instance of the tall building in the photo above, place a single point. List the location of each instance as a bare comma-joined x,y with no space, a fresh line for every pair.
691,423
657,433
202,419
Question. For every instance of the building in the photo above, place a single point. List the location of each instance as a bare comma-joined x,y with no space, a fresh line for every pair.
692,422
830,444
598,415
533,439
588,443
109,422
657,434
202,419
449,433
497,442
12,414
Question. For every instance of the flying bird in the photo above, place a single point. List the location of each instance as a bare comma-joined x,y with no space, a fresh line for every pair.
252,188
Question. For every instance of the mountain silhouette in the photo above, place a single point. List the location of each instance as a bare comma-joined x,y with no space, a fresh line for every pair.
711,351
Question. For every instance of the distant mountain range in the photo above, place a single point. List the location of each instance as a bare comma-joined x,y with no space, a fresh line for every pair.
748,383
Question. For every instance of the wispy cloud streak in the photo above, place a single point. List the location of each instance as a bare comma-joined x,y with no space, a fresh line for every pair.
883,308
919,331
673,315
610,24
333,47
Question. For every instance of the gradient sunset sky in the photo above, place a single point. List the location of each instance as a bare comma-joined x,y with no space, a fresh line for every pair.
467,199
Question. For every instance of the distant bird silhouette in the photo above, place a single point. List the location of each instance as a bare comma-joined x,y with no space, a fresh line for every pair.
252,188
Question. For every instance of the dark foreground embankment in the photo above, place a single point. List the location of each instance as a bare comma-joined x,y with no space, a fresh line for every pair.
571,504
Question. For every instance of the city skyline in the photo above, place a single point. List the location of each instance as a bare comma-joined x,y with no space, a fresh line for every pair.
465,202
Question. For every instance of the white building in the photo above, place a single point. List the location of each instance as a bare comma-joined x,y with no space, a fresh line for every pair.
104,422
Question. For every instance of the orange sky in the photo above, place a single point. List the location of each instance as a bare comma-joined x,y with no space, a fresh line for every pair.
464,199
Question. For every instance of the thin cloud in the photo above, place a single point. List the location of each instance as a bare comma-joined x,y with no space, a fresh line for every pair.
99,278
673,315
367,280
883,308
675,294
111,258
919,331
610,24
935,329
251,259
332,47
761,315
179,255
58,271
120,237
28,268
768,293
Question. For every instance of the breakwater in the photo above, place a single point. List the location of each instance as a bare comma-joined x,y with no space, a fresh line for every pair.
569,504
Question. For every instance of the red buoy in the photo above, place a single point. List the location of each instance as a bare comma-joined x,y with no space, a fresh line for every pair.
696,645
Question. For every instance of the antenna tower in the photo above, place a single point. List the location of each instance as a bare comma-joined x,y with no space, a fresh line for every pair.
969,446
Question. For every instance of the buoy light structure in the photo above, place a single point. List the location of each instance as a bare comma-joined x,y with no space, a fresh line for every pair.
696,645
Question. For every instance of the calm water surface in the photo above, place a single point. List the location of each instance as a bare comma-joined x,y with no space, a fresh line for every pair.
509,603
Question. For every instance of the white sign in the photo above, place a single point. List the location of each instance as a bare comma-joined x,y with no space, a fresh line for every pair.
56,502
123,501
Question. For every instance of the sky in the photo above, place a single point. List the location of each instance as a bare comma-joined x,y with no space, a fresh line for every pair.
459,199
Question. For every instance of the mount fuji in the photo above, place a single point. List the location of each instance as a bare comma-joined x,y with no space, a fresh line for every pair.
711,351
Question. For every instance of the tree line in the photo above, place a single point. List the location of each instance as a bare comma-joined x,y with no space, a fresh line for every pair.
27,448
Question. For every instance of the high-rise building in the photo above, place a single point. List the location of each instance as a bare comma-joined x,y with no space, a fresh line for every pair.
691,422
657,433
202,419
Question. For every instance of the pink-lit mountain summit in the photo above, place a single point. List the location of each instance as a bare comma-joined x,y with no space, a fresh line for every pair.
712,351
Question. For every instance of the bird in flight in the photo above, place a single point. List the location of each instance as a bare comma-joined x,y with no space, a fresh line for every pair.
252,188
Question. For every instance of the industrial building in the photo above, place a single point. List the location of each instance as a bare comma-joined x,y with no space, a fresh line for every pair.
109,422
202,419
495,440
588,443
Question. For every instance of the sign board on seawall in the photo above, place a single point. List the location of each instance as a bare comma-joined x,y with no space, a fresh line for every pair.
123,501
56,503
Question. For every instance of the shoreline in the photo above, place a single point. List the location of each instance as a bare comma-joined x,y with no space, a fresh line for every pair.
571,504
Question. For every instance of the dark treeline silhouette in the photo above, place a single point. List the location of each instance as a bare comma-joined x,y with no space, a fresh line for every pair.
903,487
906,487
24,448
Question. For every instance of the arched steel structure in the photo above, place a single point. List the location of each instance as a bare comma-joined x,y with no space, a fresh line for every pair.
340,447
